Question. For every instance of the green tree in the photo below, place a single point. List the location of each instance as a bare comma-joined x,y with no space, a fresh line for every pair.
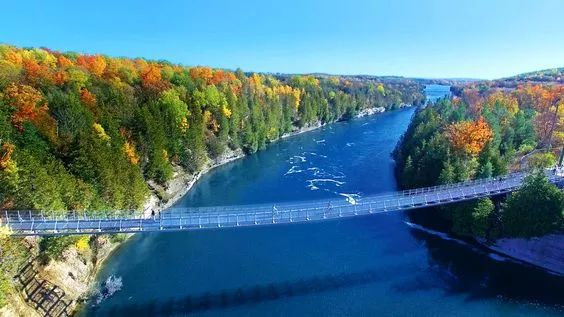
536,209
482,216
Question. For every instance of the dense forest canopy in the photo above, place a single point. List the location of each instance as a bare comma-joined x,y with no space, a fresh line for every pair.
485,131
86,132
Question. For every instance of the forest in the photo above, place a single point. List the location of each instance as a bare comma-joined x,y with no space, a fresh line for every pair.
487,132
88,132
85,132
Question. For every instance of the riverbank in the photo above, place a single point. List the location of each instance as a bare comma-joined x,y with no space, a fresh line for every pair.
545,252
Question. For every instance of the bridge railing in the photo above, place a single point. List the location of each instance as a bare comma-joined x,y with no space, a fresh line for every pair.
263,217
378,203
82,215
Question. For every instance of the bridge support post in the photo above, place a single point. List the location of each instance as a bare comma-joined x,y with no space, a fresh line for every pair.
237,219
7,218
255,214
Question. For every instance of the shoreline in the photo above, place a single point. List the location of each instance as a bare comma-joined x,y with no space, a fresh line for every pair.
542,252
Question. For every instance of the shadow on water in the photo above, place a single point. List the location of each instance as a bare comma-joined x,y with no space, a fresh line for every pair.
251,295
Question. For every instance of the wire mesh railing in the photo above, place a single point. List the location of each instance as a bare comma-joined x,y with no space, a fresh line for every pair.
32,222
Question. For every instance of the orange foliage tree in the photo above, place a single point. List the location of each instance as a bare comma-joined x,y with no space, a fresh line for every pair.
87,97
151,79
35,72
130,153
469,137
94,64
27,101
203,73
547,102
63,62
60,77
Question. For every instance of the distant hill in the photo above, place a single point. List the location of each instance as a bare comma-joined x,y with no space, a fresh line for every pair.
555,75
546,76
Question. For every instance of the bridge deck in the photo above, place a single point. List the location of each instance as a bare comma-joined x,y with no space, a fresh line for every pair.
33,223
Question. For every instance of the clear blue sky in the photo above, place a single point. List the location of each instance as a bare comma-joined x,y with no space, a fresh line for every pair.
432,38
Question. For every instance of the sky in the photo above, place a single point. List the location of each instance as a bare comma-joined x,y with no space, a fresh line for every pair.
433,39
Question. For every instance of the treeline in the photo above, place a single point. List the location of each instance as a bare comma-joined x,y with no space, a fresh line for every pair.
85,132
487,133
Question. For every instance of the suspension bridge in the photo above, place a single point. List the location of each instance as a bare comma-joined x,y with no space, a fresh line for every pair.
30,223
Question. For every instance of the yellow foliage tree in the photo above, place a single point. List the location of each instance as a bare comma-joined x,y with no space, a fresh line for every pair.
507,101
100,132
6,154
184,125
297,98
82,244
226,111
129,150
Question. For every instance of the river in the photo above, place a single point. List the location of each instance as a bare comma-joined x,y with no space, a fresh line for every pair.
367,266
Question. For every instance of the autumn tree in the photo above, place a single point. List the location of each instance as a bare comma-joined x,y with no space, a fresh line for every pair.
151,79
469,137
27,101
88,98
36,73
203,73
5,154
95,64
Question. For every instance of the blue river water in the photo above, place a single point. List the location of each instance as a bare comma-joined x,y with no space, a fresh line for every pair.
384,264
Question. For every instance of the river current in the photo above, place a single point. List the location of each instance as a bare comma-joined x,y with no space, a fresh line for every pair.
385,264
